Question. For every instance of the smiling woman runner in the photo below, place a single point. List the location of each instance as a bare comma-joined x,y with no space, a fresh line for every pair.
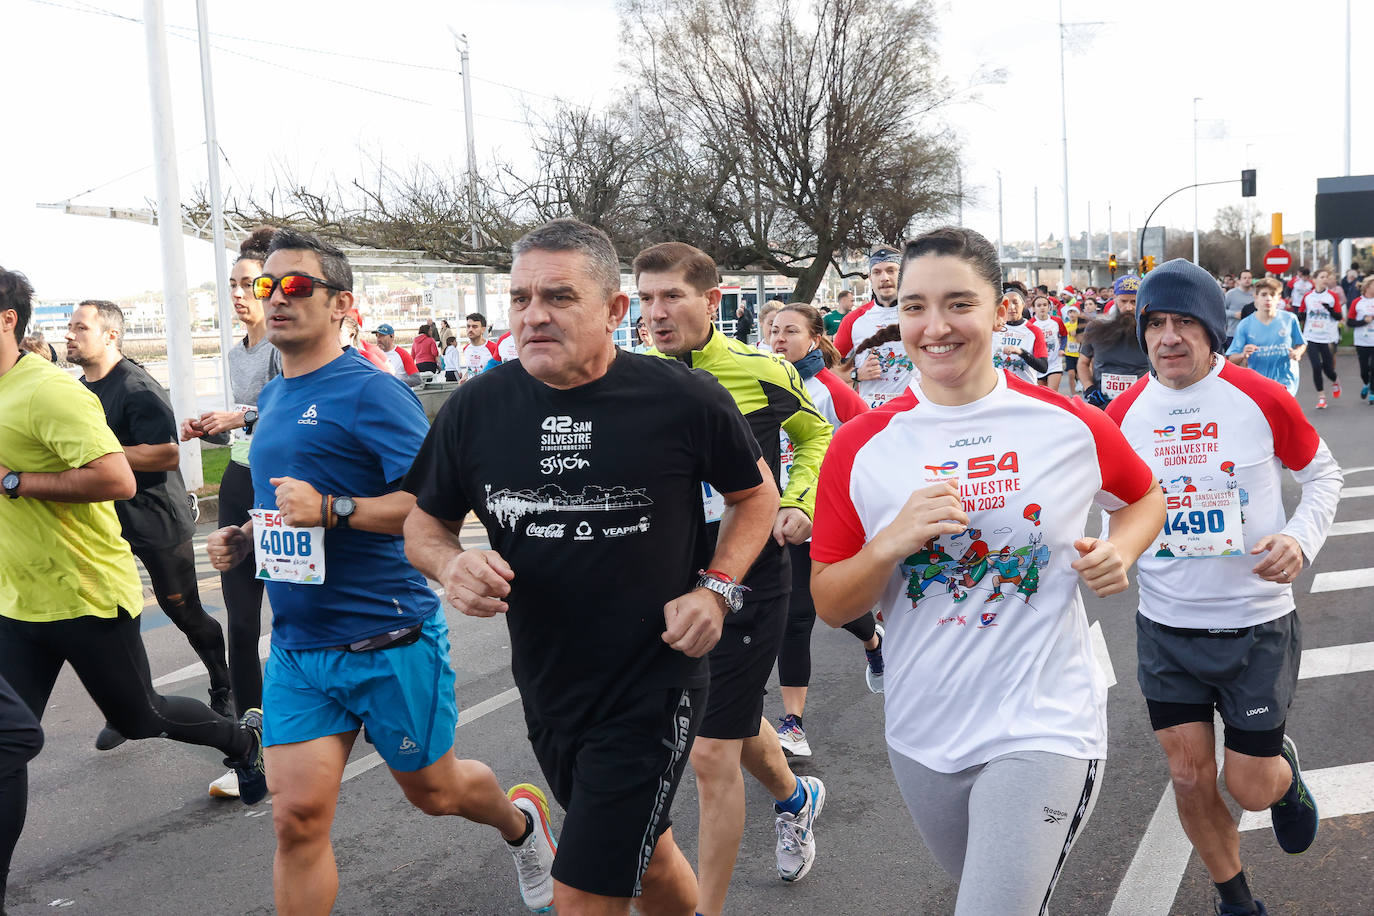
996,709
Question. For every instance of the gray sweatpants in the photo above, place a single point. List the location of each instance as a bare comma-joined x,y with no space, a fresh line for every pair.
1003,828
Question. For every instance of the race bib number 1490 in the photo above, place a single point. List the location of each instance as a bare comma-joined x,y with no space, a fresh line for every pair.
286,554
1202,525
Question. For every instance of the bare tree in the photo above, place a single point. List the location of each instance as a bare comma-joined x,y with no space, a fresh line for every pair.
822,113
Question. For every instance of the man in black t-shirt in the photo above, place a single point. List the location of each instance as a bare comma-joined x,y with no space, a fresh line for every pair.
157,520
588,481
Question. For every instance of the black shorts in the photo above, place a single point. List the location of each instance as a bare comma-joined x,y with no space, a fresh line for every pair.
740,666
616,781
1249,677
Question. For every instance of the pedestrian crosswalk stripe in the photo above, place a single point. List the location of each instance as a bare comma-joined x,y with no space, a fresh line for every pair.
1356,492
1343,579
1331,660
1338,790
1359,526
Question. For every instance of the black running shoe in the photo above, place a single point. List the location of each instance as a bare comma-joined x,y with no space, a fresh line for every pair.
250,769
109,738
1242,909
1294,815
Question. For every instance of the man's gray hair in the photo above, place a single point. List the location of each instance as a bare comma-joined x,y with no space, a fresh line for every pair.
110,316
574,235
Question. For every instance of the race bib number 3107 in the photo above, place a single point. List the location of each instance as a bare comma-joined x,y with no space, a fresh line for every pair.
286,554
1202,525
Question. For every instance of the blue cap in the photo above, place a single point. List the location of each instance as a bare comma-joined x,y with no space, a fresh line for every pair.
1126,286
1182,288
385,329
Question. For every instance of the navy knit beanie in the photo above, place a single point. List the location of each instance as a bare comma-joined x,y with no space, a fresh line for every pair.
1181,287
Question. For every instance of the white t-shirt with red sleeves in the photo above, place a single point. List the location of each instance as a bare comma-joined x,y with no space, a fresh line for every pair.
898,372
1363,307
506,349
1322,314
1233,430
476,357
1052,329
987,649
1024,335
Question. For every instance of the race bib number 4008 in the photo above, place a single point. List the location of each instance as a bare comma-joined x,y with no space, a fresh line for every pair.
286,554
1202,525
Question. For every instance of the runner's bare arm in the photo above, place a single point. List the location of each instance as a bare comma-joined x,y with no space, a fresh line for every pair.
1085,370
1103,562
693,621
846,590
105,478
161,456
301,506
474,581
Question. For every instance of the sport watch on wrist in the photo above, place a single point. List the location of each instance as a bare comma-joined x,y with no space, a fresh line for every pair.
250,416
10,483
343,510
723,585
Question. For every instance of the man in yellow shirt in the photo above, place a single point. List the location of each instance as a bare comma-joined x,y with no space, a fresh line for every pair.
69,591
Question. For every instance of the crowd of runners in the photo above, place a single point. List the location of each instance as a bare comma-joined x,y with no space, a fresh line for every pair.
919,469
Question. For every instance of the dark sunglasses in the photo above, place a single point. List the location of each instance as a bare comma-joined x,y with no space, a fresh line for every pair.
293,286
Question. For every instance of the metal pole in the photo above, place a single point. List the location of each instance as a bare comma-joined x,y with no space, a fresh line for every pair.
479,278
1000,249
1036,254
1196,99
1111,246
1346,244
1130,240
1064,130
226,308
1090,232
180,367
959,172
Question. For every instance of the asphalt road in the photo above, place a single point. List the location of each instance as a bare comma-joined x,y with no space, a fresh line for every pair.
132,831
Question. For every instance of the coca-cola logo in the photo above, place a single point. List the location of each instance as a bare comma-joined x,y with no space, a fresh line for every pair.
545,531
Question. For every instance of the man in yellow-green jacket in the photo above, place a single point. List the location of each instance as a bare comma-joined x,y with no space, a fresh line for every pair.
679,292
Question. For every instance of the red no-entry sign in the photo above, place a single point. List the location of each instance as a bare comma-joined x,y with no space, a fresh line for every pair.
1277,261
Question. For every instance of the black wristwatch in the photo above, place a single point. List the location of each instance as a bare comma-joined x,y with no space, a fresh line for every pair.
344,507
250,416
10,482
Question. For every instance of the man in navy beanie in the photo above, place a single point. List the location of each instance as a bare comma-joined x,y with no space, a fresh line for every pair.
1218,630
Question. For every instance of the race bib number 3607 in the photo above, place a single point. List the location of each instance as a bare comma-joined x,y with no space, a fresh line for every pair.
1202,525
286,554
1114,384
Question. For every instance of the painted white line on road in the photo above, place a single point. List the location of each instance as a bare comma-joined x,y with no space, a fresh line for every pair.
1104,658
1350,659
1356,492
1360,526
1338,790
1364,467
1342,579
467,717
198,669
1157,869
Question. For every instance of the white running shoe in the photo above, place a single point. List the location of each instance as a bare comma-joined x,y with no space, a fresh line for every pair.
874,657
227,786
796,840
534,857
792,737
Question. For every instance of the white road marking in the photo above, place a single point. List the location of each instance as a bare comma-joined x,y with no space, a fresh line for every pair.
1364,467
466,717
198,669
1104,658
1350,659
1338,790
1360,526
1342,579
1356,492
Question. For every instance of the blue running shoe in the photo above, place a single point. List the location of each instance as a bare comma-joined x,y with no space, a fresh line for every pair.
1242,909
1294,815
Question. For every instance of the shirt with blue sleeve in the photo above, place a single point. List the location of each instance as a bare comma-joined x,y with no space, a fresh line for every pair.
1274,340
347,430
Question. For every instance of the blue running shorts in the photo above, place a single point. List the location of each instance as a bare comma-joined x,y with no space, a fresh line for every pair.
402,695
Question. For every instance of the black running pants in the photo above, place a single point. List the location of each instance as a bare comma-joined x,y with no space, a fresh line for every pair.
794,657
21,738
173,574
1323,361
242,594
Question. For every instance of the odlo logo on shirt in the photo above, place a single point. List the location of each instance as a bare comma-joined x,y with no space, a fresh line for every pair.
308,418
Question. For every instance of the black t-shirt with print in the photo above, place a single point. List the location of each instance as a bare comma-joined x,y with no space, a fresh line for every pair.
138,411
593,496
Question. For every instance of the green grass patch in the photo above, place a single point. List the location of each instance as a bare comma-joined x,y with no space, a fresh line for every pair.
213,461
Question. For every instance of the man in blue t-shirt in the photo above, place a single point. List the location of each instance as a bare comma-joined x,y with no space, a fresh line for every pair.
358,638
1269,340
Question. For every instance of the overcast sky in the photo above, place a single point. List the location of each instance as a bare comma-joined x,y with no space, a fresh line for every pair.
294,94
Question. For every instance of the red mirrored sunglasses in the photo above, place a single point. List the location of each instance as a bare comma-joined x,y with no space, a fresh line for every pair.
293,286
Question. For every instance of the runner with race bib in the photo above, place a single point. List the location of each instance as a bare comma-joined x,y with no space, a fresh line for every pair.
1110,359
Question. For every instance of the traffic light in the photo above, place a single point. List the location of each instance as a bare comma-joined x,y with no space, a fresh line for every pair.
1147,264
1247,183
1140,267
1111,264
